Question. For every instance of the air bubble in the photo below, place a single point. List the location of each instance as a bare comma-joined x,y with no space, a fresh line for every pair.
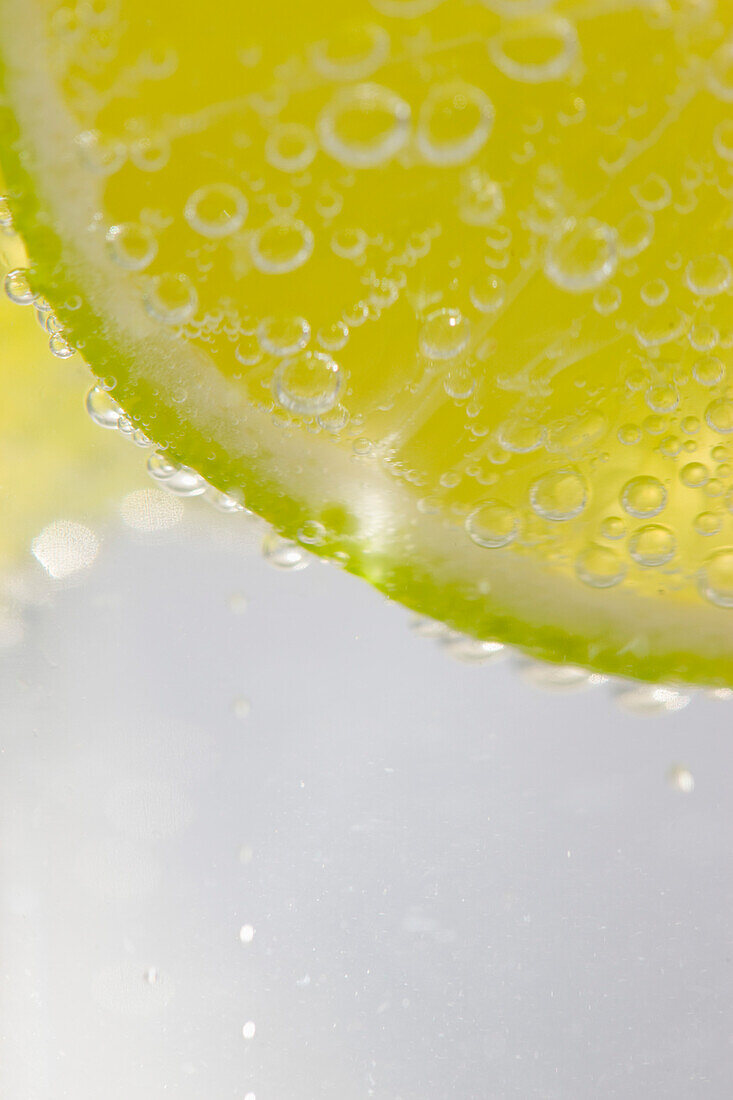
18,289
635,233
723,139
335,420
283,553
171,299
60,346
481,198
694,475
248,351
643,497
647,700
716,578
488,294
719,73
181,480
582,256
103,156
459,383
654,193
514,50
353,52
334,336
559,495
719,415
708,523
709,275
282,245
606,300
444,334
454,123
364,125
350,243
654,292
652,545
291,147
131,246
216,210
308,384
151,152
662,399
599,566
613,527
312,533
709,370
103,410
493,524
283,335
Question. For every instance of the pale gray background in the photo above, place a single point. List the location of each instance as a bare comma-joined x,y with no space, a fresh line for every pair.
460,885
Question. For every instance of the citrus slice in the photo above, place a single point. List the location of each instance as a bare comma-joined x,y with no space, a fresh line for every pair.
440,289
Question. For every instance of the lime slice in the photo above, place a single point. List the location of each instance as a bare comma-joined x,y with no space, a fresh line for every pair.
442,290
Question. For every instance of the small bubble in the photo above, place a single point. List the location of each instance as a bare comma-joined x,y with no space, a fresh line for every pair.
444,334
103,410
131,246
708,523
716,578
660,325
488,294
654,193
353,52
241,707
654,292
101,155
248,1030
335,420
723,139
150,153
283,553
719,415
709,275
283,335
599,566
364,125
559,495
216,210
648,700
481,200
248,351
454,123
459,383
694,475
635,233
662,399
291,147
181,480
613,527
18,289
628,434
471,651
493,524
6,217
681,779
246,933
582,256
334,336
60,346
708,370
652,545
312,533
238,603
538,48
643,497
171,299
349,242
308,384
719,73
282,245
606,300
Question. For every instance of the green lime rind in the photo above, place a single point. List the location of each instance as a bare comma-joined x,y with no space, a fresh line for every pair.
427,568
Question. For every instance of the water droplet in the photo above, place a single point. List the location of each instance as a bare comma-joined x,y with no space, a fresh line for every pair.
582,256
643,497
444,334
283,553
559,495
291,147
17,287
282,245
537,49
216,210
308,384
709,275
488,294
171,298
103,410
716,578
493,524
283,335
719,415
652,545
599,566
454,122
364,125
